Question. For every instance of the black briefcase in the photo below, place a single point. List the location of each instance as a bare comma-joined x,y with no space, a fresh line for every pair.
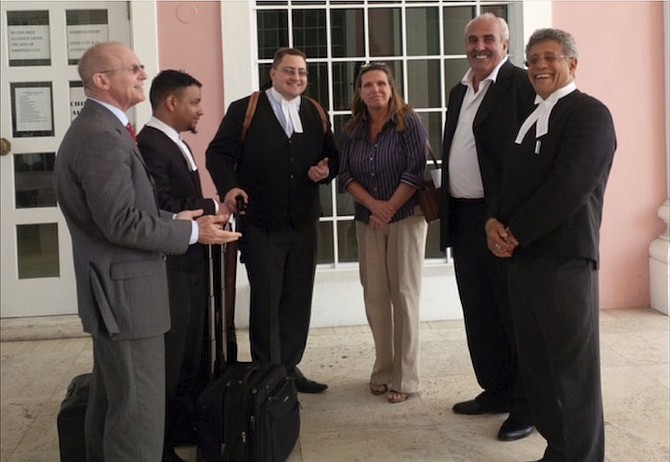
71,440
248,411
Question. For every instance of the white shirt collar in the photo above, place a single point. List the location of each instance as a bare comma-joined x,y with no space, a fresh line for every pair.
176,138
542,112
280,98
165,128
123,118
290,111
558,94
493,76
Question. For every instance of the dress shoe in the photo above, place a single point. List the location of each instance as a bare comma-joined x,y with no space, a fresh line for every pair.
170,456
513,429
305,385
474,407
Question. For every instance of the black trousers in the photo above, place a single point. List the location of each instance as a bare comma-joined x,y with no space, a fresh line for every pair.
280,266
480,277
183,348
555,312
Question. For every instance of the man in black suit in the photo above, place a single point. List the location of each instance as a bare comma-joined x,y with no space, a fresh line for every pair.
485,109
277,170
176,106
546,222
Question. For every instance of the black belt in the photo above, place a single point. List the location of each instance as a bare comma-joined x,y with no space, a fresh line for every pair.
455,201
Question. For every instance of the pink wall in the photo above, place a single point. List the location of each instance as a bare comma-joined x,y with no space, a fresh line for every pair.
621,63
189,39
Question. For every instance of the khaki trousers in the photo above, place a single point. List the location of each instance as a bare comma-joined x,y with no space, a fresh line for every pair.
391,262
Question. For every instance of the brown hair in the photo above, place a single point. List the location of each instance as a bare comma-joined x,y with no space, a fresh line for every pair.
359,111
281,52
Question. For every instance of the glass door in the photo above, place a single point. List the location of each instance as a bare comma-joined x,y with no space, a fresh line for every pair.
41,43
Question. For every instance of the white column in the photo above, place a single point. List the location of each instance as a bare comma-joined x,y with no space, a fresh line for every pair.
659,249
659,264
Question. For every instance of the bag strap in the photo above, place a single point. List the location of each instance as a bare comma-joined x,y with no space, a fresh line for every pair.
322,113
431,154
251,110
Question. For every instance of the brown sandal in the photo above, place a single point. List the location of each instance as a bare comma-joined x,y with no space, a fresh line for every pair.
397,397
377,389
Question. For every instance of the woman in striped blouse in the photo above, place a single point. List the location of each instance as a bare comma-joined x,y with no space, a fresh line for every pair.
382,166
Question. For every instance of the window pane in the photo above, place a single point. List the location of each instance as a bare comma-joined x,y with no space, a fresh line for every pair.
264,76
344,78
433,123
84,28
433,241
396,69
423,31
33,180
455,19
338,127
32,109
38,251
497,10
454,70
77,98
385,32
325,249
309,32
28,38
326,198
317,86
345,205
347,33
272,32
424,83
346,241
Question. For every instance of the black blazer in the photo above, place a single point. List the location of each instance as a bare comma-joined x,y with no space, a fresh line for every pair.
552,200
505,106
271,167
177,187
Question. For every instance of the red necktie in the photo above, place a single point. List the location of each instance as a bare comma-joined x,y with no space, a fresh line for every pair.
131,130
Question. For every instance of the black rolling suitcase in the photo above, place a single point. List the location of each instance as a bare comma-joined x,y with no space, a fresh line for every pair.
70,421
249,411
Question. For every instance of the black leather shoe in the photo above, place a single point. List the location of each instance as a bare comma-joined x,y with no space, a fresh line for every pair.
474,407
170,456
513,429
305,385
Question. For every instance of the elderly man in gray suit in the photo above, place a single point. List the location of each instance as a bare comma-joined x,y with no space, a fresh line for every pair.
119,242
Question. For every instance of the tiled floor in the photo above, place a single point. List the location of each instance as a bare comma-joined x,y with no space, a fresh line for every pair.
347,423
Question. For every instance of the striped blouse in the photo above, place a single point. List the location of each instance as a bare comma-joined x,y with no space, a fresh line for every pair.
382,165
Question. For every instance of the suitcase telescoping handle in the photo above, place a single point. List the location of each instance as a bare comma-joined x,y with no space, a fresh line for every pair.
229,272
222,267
229,285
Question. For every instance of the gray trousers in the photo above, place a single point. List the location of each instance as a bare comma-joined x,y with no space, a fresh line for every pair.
125,417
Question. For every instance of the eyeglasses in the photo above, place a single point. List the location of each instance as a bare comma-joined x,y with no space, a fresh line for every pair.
133,69
548,58
291,71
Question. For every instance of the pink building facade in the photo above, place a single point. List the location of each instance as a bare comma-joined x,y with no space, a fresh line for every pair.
623,61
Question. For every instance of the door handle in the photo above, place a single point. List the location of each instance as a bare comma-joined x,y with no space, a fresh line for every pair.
5,146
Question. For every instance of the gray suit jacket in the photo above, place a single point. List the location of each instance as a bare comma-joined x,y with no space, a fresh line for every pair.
119,236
